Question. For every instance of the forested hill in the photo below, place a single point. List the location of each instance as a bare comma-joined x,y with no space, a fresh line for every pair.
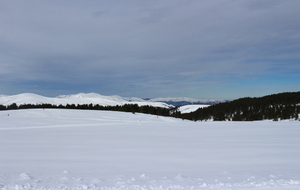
275,107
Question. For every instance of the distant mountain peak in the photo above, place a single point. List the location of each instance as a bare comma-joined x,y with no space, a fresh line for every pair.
80,98
81,95
95,98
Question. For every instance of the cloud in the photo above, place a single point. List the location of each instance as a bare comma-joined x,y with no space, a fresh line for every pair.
155,47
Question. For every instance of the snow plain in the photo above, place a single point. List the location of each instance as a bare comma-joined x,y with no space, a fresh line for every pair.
83,149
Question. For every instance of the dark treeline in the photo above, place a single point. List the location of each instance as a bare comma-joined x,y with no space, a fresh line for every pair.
276,106
125,108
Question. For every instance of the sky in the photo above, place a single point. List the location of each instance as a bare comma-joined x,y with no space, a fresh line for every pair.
208,49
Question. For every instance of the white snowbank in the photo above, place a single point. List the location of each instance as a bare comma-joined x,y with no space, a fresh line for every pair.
76,149
190,108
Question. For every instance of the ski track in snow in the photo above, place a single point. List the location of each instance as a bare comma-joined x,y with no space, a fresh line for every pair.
75,149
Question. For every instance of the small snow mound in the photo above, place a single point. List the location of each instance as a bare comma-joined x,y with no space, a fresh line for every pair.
294,182
131,180
180,177
25,176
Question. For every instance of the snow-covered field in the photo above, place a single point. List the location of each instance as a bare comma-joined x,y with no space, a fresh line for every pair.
75,149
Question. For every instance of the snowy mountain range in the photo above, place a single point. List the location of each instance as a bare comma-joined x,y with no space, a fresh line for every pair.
81,98
94,98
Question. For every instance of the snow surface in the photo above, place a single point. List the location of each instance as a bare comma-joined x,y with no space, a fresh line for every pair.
81,98
191,108
84,149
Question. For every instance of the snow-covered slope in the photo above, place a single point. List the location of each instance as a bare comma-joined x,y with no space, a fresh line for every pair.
81,98
103,150
190,108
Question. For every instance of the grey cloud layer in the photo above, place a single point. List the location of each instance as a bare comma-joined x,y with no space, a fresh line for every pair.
153,42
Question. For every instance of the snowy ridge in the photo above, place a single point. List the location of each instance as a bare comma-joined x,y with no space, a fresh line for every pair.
81,98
